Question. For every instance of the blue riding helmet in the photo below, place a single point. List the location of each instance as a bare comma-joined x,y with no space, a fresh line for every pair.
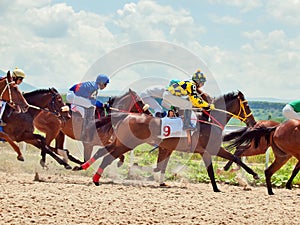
102,79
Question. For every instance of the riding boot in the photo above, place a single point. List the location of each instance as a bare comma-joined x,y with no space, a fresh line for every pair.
88,126
187,125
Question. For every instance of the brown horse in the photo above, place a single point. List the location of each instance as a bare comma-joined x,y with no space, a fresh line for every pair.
251,149
128,102
285,142
135,129
20,125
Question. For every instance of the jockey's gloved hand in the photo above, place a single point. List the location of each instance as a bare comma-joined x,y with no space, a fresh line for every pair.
106,105
99,104
212,107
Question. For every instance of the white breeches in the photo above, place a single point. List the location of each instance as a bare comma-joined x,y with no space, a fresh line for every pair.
289,112
77,100
182,103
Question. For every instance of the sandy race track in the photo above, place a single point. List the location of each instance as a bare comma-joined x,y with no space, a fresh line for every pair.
75,200
71,198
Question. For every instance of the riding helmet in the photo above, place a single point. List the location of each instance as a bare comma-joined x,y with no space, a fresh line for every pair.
18,73
199,77
102,79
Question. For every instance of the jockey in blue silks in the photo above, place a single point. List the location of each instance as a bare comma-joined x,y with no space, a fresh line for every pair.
85,95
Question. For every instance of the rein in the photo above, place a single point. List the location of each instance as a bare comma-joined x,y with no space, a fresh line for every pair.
242,109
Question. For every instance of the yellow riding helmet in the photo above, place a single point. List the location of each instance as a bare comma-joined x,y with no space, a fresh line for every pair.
18,73
199,77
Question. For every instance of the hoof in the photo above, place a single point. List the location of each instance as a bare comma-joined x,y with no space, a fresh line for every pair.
77,168
96,183
164,185
68,167
256,177
43,163
217,190
156,169
120,163
20,158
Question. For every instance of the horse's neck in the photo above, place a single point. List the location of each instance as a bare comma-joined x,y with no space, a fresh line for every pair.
38,100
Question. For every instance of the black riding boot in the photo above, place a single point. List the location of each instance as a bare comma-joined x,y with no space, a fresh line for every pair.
88,125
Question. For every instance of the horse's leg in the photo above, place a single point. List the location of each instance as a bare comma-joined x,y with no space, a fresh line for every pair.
227,155
40,142
295,172
210,170
276,165
121,160
238,152
87,152
100,152
16,148
108,159
162,163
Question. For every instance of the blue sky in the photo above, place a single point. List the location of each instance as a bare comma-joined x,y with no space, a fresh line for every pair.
252,46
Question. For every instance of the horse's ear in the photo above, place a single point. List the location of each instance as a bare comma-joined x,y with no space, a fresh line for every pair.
8,75
130,90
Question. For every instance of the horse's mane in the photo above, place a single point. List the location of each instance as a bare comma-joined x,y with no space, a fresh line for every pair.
230,96
38,91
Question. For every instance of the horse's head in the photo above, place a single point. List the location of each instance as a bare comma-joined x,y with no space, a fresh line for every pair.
236,106
10,92
130,102
57,104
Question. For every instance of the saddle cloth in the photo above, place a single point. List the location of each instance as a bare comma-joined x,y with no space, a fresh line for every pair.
172,126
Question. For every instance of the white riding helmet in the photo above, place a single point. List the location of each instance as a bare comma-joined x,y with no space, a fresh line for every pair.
18,73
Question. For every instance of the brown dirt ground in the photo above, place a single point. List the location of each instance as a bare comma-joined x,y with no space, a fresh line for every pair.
71,198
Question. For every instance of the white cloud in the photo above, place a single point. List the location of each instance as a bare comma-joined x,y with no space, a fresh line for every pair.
286,11
245,6
225,19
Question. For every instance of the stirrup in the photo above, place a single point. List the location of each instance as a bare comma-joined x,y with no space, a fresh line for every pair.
2,123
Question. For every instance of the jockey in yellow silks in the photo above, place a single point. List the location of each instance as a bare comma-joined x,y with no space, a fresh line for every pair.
184,95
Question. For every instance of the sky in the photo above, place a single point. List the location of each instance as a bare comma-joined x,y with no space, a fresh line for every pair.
251,46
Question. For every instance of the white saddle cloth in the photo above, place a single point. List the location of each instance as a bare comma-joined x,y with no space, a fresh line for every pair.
172,126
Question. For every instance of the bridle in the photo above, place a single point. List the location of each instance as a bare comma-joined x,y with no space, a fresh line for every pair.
242,110
7,86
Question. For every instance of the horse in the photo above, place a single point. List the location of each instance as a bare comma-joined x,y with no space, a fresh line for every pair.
10,93
20,125
285,142
132,130
251,149
128,102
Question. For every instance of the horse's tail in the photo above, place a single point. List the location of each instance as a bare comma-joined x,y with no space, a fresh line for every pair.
235,134
254,134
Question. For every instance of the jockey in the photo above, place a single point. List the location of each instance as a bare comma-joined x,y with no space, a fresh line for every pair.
292,110
18,75
176,95
149,96
84,94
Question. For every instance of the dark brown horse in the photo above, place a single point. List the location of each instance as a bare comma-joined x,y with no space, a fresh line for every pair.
135,129
128,102
285,142
20,125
